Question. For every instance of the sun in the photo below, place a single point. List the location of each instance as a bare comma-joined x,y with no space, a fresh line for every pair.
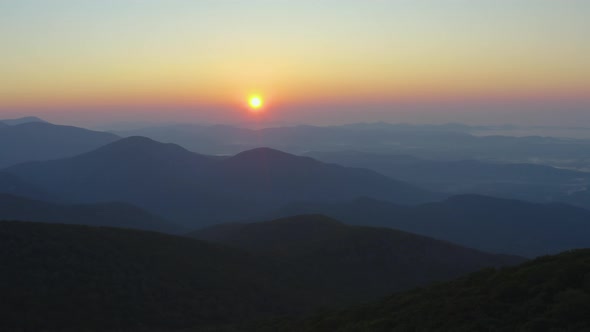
256,102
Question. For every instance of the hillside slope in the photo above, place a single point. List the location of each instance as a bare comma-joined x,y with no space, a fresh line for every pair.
373,261
79,278
485,223
99,214
32,141
199,190
547,294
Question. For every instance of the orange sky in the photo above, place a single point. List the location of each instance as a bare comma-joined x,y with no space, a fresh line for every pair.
208,56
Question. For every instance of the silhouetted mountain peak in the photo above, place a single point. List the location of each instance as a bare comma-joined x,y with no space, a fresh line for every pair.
262,152
137,141
42,125
268,156
47,136
146,147
23,120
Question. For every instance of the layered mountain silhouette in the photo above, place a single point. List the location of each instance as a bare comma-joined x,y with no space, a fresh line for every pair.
102,214
337,235
17,121
72,277
297,139
372,261
14,185
268,173
439,142
485,223
521,181
80,278
37,140
547,294
197,190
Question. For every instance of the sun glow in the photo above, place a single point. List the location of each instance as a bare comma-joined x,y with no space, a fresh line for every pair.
255,102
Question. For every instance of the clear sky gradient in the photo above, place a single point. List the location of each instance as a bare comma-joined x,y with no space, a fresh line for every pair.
314,61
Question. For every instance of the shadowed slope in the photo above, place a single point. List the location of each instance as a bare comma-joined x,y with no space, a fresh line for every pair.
32,141
371,260
79,278
104,214
486,223
547,294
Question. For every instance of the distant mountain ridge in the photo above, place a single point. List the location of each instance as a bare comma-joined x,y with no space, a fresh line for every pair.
227,139
26,119
103,214
14,185
438,142
525,181
485,223
198,190
36,140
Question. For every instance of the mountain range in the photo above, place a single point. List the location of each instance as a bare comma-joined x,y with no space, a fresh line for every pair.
25,140
361,262
14,185
531,182
485,223
17,121
71,277
341,228
196,190
80,278
99,214
437,142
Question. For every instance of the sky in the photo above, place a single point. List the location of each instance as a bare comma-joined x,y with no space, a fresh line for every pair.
312,61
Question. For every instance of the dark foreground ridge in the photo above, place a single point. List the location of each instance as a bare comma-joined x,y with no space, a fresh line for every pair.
551,293
359,263
58,277
79,278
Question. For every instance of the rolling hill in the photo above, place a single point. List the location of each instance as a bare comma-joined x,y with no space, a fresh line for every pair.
14,185
438,142
197,190
31,141
524,181
58,277
372,261
548,294
485,223
100,214
17,121
72,278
